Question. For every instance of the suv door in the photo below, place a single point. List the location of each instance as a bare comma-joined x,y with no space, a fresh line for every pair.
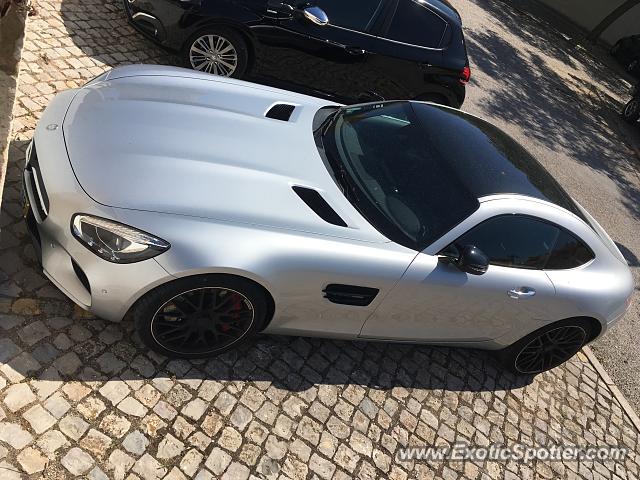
413,57
436,301
331,58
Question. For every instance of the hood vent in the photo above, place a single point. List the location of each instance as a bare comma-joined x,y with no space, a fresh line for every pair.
280,111
319,205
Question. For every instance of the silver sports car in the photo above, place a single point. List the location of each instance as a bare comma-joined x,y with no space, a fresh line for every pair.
212,209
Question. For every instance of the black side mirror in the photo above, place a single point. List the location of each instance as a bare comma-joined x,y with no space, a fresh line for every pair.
472,260
468,258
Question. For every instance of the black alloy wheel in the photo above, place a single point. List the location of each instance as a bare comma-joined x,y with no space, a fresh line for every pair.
550,349
547,347
200,316
202,321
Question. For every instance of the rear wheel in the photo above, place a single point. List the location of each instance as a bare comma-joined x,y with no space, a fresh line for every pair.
200,316
217,50
547,347
631,111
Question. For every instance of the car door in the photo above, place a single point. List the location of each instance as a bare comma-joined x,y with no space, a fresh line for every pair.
331,58
409,60
436,301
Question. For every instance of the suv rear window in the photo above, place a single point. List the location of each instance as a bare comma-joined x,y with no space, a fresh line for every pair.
415,24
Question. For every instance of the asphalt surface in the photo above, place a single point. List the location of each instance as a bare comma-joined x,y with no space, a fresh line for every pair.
560,101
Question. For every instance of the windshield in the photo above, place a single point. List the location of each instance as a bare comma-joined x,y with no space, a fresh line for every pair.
398,181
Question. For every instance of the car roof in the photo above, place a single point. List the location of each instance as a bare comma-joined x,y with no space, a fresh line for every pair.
485,160
445,8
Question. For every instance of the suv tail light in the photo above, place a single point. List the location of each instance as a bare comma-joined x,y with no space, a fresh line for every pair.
465,75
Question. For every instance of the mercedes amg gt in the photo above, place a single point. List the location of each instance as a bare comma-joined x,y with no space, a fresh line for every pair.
211,209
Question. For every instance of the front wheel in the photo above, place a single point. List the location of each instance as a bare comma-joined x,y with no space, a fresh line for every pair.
546,348
200,316
631,111
217,50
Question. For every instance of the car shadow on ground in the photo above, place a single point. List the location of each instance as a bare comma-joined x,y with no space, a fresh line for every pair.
99,28
629,256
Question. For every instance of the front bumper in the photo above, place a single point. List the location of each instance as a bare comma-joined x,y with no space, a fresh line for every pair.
163,21
106,289
146,23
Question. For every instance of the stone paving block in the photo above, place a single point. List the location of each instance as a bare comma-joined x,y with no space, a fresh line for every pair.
115,425
51,441
96,443
218,461
77,461
73,426
135,442
149,468
39,419
32,461
18,396
133,407
170,447
190,462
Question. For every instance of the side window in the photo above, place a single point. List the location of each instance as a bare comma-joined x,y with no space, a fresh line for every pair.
524,242
352,14
568,252
415,24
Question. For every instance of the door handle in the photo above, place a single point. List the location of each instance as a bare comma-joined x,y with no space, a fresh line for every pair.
521,292
355,51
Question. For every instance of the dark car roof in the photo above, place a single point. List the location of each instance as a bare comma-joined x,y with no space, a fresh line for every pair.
447,10
484,159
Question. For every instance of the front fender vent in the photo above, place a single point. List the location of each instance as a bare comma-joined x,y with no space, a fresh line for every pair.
319,205
350,294
34,186
281,111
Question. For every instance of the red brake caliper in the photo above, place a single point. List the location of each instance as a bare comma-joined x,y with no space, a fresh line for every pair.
235,311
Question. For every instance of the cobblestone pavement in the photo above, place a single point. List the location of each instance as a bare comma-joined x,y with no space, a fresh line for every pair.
82,397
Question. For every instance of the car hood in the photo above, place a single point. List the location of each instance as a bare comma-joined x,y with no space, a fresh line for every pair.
175,141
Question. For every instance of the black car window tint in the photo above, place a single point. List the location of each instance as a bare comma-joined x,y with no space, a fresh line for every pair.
568,252
513,241
415,24
352,14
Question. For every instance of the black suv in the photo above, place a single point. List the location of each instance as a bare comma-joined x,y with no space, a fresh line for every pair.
347,50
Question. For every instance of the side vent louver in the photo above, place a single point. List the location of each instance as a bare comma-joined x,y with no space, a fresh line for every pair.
319,205
350,294
281,111
34,186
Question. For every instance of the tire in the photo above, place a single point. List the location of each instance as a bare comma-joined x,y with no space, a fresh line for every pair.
631,111
520,358
206,40
169,322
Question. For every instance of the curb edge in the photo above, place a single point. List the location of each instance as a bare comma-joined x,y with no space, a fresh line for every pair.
624,403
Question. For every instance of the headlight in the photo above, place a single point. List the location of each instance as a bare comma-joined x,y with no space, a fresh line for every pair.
114,241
